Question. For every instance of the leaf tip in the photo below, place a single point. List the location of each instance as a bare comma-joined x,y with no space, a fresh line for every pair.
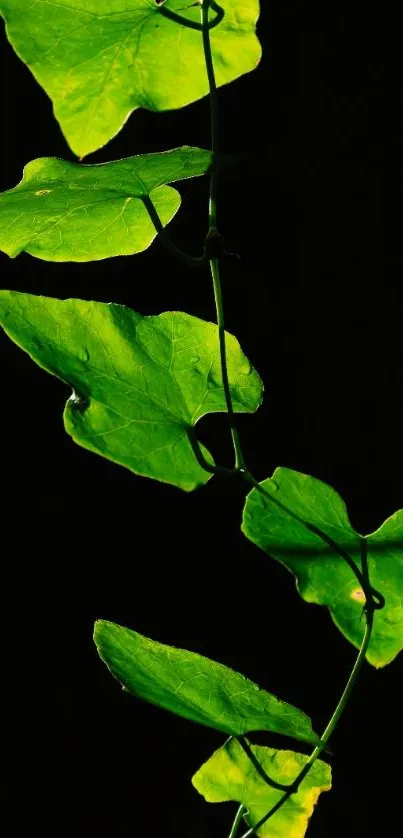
99,630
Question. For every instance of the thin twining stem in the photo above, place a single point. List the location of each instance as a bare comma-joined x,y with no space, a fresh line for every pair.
192,261
260,770
214,262
237,822
210,467
376,598
190,24
205,7
203,26
215,273
330,727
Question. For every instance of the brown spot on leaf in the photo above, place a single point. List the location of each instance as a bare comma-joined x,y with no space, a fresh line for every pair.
358,595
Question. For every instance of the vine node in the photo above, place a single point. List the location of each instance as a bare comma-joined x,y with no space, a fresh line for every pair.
214,246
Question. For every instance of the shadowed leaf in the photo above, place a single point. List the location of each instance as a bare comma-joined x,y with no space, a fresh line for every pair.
324,576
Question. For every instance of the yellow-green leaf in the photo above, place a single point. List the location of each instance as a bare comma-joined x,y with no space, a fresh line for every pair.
230,775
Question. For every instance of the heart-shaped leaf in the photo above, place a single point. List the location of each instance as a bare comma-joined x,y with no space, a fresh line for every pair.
140,384
63,211
99,61
195,687
229,775
324,576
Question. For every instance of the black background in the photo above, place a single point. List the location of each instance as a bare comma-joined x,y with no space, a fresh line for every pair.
316,301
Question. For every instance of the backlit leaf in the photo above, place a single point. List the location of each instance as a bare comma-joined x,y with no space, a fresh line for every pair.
100,60
63,211
195,687
140,384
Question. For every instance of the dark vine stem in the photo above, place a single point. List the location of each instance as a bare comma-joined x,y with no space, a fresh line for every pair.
210,467
329,729
237,821
373,598
260,770
205,7
212,233
215,272
191,261
192,24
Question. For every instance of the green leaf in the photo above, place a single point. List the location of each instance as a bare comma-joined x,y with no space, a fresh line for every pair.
195,687
140,384
98,61
64,211
229,775
324,576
